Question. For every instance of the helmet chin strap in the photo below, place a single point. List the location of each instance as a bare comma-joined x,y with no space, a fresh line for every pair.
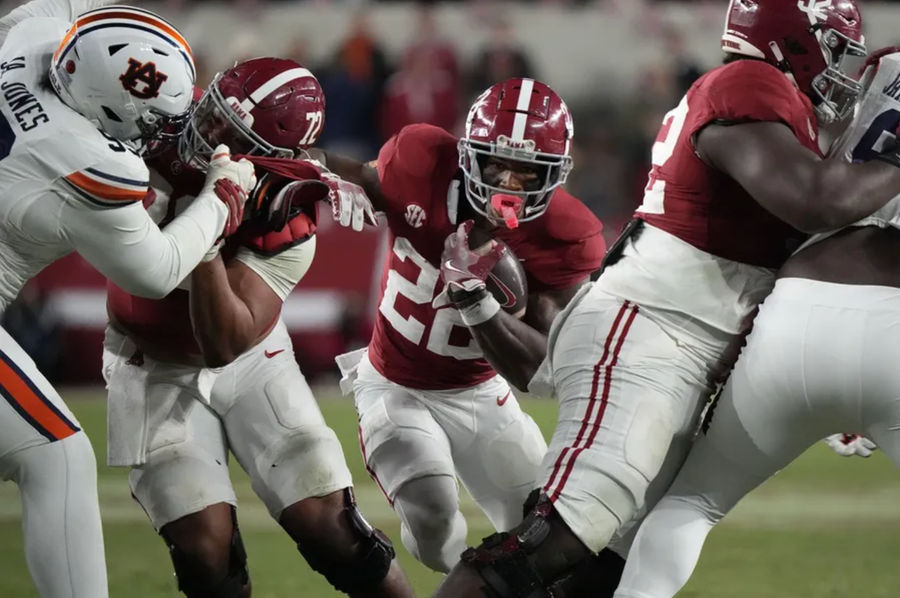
508,207
783,64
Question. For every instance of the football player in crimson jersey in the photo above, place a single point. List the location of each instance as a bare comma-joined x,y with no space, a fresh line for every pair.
431,403
737,180
210,369
795,381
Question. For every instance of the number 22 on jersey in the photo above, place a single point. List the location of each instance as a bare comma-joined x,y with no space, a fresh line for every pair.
420,292
663,147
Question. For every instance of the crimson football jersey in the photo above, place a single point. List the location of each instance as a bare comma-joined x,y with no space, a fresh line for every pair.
421,347
703,206
164,325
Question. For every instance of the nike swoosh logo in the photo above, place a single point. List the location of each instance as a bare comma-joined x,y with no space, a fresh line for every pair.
271,354
449,266
510,296
502,400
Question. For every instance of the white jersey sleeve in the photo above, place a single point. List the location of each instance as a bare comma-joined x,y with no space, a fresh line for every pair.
127,247
66,10
284,270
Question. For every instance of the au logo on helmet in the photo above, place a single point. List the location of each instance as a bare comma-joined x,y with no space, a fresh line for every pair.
142,80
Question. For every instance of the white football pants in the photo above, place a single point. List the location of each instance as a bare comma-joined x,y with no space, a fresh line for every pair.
822,359
44,451
416,442
631,384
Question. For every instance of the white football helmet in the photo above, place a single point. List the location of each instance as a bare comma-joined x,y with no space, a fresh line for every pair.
128,70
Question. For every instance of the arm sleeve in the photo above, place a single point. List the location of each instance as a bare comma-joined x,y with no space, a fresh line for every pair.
61,9
282,271
125,245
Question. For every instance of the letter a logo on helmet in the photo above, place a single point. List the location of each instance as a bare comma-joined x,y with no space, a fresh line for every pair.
142,80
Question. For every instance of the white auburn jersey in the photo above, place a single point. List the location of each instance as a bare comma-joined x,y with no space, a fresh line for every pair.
876,118
65,186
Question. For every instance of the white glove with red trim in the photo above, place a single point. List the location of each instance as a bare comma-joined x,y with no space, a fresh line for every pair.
847,445
350,206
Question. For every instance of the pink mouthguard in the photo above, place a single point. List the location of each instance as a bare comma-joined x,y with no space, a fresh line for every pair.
508,206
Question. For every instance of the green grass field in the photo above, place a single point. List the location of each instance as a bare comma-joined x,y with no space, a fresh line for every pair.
825,527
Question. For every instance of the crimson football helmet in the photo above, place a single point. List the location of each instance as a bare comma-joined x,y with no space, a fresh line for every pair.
521,120
806,39
260,107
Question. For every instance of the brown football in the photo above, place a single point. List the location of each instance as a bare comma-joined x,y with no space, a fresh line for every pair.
507,281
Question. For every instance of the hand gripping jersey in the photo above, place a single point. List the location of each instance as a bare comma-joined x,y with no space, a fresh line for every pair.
709,250
163,326
421,347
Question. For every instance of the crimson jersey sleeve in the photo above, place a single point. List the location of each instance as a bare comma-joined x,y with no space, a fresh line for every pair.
561,248
411,160
752,90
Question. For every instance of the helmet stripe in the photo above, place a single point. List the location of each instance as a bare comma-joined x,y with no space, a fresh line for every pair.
137,16
522,104
61,52
126,15
271,85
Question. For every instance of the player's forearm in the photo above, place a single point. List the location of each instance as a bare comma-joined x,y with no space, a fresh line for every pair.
355,172
514,348
223,324
847,192
144,261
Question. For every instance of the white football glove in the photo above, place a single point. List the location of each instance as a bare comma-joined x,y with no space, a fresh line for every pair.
231,182
847,445
221,165
350,206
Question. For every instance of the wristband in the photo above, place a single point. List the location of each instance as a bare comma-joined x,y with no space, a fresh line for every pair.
478,308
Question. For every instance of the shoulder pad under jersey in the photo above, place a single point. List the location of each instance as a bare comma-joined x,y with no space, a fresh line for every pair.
414,151
299,229
747,90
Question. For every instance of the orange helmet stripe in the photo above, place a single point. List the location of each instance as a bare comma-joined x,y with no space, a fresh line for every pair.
125,15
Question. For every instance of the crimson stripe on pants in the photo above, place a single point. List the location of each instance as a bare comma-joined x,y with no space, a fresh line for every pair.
362,447
601,410
594,384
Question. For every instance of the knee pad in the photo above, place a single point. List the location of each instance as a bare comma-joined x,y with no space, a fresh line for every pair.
234,583
372,560
533,561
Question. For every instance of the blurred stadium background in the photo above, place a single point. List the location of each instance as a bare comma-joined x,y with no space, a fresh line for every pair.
826,527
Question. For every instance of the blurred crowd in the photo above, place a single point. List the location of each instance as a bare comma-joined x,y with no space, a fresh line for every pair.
372,93
371,96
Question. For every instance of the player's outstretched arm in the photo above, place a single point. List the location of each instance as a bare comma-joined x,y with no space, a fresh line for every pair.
792,182
231,308
359,173
517,347
127,247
